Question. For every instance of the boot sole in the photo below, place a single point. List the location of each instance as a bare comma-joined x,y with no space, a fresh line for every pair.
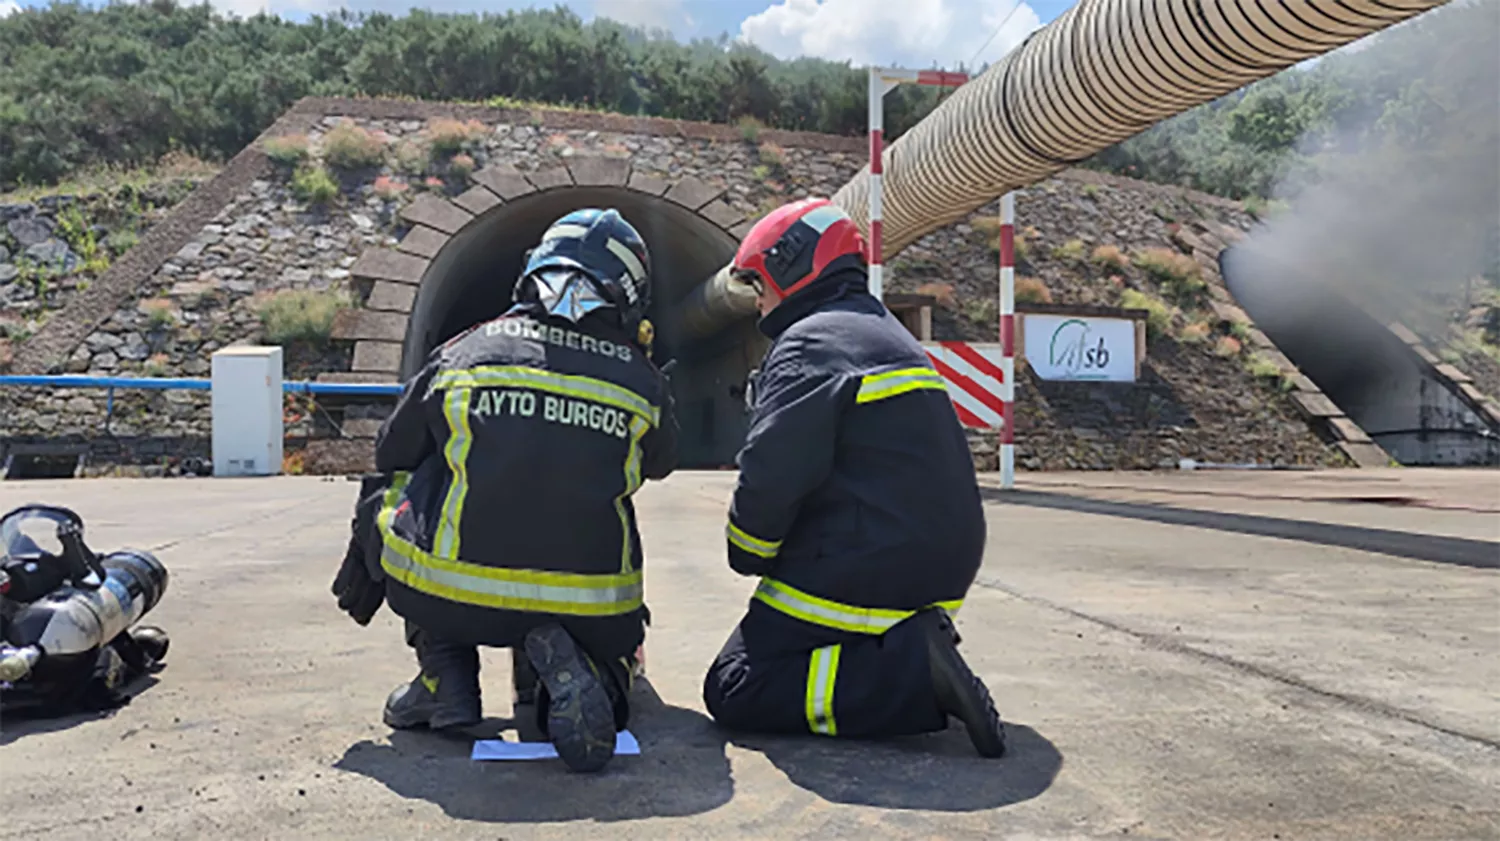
987,731
433,717
580,718
436,722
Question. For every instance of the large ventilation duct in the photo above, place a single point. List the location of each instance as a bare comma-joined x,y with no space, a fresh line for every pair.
1104,71
713,304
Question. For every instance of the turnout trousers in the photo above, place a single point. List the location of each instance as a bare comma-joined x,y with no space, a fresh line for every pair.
435,652
452,633
778,674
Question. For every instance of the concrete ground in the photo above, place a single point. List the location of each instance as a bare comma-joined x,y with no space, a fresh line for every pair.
1229,672
1438,501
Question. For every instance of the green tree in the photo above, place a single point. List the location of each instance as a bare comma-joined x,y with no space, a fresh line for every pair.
125,83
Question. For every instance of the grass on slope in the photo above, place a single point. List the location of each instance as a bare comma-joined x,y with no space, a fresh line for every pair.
111,179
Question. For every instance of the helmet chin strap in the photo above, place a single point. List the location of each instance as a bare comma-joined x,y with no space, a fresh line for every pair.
645,335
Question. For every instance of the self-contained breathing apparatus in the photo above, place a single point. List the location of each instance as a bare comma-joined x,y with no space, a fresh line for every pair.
66,641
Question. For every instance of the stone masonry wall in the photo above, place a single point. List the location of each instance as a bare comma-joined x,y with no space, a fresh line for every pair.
201,281
264,241
56,245
202,299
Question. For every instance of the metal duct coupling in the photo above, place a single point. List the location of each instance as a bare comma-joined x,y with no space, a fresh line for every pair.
714,304
1102,72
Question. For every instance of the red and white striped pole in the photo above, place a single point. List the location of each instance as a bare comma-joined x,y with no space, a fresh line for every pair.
882,81
1008,340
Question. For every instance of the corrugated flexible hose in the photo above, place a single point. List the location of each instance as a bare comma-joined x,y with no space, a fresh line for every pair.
1104,71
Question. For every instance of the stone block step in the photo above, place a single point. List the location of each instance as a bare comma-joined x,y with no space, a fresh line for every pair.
1365,454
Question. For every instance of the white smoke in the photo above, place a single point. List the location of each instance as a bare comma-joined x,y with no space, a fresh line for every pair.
1403,207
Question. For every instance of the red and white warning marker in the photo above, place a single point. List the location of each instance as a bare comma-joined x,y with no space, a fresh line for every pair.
975,380
982,383
1008,338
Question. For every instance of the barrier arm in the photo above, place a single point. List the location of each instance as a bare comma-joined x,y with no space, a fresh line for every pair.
883,80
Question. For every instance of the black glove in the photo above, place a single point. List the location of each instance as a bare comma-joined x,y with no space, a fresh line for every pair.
359,595
360,591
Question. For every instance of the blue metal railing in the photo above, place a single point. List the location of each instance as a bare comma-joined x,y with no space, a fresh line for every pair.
183,384
187,384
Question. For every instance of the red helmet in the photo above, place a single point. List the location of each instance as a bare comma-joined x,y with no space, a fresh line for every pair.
794,244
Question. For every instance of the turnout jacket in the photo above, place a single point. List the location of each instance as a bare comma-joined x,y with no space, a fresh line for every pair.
514,454
857,500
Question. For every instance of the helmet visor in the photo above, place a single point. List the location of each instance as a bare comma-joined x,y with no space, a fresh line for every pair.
30,532
568,292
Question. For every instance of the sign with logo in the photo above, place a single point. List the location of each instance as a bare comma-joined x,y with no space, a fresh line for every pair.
1078,347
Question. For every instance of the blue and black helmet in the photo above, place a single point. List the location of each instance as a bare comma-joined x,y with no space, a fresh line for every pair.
588,260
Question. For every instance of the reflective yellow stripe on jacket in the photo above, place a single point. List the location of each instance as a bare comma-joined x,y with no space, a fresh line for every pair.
460,439
831,614
638,428
750,543
538,591
568,385
460,384
880,386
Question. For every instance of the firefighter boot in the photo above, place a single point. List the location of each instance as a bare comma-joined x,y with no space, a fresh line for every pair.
580,718
960,693
444,695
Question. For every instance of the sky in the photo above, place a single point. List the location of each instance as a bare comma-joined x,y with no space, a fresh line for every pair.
900,33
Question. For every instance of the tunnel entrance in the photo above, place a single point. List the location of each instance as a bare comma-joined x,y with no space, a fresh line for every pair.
1364,368
471,279
43,461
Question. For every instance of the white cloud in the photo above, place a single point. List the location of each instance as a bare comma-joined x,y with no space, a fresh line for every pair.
916,34
652,14
8,8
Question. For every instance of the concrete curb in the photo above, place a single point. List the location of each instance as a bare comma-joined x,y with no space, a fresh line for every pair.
1458,551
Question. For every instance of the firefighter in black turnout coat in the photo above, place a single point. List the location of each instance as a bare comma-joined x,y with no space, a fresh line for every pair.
502,512
857,506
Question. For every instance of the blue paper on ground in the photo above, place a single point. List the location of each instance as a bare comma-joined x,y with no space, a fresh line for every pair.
499,749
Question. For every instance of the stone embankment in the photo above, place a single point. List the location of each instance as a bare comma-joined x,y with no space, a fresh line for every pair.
265,255
1212,388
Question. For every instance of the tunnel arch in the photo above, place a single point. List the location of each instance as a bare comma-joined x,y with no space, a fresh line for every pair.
1376,371
471,270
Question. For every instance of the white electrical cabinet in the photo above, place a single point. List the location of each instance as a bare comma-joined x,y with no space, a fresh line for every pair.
247,411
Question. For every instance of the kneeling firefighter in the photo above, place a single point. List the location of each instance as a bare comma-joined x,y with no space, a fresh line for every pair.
857,506
501,514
